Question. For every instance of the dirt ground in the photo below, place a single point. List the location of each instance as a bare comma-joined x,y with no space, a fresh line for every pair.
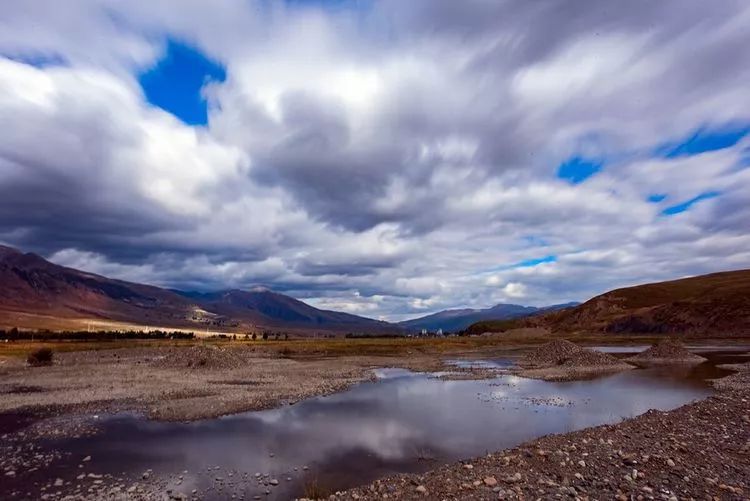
183,383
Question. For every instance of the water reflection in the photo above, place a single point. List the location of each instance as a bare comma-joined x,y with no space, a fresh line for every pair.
403,422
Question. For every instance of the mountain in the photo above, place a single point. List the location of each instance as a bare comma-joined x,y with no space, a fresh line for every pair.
709,305
35,293
457,320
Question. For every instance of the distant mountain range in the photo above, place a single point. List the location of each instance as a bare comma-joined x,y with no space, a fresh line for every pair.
715,305
457,320
35,293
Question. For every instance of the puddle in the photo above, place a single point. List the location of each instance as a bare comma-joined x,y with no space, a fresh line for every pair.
403,422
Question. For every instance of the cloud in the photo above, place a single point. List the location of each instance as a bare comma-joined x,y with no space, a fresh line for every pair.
386,158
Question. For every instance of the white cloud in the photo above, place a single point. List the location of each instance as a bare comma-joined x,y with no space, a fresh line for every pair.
391,160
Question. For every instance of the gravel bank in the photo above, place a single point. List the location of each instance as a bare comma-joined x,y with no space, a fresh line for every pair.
153,381
668,351
699,451
187,383
561,360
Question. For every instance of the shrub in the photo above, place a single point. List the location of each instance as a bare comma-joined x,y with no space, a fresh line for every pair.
42,356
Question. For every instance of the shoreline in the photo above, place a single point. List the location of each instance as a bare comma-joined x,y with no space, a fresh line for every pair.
699,450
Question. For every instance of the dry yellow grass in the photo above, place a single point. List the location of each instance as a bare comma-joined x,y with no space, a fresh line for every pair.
327,347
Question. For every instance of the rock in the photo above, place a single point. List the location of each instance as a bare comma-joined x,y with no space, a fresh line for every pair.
670,463
274,482
513,478
582,464
87,458
145,475
490,481
59,482
421,489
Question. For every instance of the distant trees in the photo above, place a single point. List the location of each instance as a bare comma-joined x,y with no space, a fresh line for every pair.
15,334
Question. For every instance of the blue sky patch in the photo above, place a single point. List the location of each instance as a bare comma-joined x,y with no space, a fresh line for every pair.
656,198
682,207
577,169
705,139
528,263
175,84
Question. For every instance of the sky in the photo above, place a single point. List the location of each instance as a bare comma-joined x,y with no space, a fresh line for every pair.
381,157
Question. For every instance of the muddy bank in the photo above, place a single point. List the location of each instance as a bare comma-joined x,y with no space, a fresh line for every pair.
698,451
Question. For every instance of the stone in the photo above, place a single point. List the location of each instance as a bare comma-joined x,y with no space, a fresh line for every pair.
58,482
421,489
513,478
490,481
274,482
670,463
468,467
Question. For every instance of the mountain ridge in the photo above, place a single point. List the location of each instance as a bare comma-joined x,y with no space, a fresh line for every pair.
454,320
35,290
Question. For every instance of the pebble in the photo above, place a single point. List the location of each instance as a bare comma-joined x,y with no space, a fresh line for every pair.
421,489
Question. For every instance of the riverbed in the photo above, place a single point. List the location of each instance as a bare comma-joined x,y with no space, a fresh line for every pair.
401,422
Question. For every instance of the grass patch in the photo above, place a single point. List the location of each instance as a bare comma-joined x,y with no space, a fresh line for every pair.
313,489
302,348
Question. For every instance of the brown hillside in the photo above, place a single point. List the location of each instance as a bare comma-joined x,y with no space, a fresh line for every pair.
709,305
